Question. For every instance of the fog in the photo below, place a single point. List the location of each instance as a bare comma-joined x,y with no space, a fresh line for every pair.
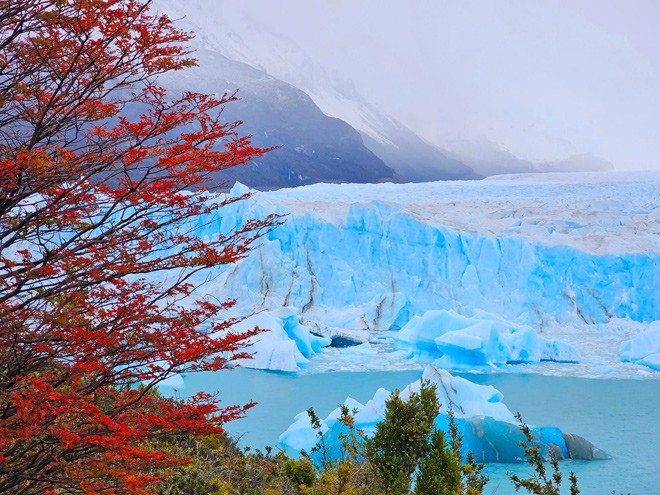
544,80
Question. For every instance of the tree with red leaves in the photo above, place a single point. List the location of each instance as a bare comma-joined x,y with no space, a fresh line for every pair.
98,245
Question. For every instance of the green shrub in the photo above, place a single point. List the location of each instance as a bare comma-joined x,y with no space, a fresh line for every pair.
406,455
539,483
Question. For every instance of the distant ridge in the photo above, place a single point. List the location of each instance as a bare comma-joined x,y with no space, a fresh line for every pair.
239,39
487,158
313,147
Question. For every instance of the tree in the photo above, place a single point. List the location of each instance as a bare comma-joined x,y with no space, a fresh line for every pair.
409,454
98,245
539,483
402,439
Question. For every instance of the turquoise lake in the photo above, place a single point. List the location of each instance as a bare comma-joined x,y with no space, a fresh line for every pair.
619,416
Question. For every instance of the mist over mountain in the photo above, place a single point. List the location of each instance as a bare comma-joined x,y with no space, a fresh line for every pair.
413,158
327,130
585,162
312,146
276,59
488,158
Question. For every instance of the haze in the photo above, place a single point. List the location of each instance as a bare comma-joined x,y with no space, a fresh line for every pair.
544,80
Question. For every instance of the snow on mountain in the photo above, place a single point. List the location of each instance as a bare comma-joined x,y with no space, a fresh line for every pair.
535,268
242,39
313,147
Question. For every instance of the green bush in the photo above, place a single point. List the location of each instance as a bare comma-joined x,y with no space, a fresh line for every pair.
539,483
406,455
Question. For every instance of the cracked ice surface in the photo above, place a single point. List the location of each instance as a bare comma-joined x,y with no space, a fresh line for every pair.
573,257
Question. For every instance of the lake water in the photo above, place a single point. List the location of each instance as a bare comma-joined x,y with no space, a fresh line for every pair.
619,416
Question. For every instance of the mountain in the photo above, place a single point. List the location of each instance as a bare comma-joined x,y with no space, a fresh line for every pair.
318,149
241,39
585,162
413,158
487,158
312,146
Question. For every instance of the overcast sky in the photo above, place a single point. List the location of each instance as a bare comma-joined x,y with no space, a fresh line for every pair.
544,79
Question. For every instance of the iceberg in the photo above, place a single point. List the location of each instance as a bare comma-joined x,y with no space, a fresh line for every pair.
284,345
450,340
644,348
489,429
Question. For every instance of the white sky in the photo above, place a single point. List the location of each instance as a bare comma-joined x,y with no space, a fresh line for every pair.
544,79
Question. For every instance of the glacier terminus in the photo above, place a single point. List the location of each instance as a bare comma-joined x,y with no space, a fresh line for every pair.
554,274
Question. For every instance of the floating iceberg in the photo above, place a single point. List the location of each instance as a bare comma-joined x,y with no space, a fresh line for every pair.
644,348
284,345
450,340
489,429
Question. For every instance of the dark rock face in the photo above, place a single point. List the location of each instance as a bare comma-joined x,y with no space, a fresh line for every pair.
312,146
580,448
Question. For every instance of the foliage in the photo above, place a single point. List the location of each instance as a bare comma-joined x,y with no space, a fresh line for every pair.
220,467
539,483
347,475
442,472
403,439
407,451
98,247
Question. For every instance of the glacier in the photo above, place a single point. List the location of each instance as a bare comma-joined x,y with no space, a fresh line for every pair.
558,267
644,348
450,340
488,428
554,274
285,344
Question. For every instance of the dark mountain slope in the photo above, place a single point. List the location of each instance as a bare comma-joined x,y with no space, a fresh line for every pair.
313,146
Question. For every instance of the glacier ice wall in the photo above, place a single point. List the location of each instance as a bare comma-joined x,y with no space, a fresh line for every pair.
285,345
378,268
359,261
644,348
450,340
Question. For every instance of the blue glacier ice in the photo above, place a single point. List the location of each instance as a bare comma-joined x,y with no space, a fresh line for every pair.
644,348
285,345
450,340
488,427
554,273
534,266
